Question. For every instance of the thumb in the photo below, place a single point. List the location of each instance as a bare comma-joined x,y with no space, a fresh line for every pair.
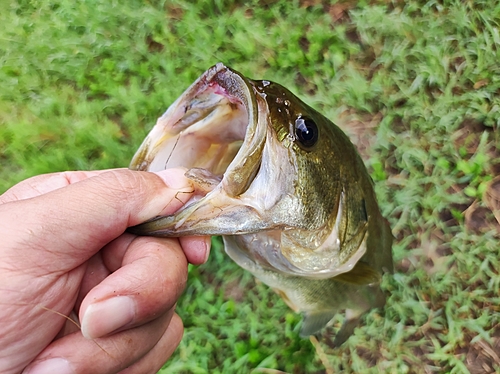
72,222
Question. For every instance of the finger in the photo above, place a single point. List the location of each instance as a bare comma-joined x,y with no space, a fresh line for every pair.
148,282
161,352
84,216
95,273
109,355
114,252
196,248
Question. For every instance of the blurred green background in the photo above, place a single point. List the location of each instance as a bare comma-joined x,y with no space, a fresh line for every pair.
415,84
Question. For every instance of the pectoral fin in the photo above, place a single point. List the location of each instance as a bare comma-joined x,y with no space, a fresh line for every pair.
347,328
361,274
313,322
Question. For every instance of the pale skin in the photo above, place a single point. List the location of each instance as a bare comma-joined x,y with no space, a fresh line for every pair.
64,250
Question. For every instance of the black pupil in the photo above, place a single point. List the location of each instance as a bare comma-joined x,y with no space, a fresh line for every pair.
306,132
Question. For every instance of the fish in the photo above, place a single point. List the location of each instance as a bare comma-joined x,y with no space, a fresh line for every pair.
284,187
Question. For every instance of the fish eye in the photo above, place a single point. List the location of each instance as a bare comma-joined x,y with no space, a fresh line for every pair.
306,132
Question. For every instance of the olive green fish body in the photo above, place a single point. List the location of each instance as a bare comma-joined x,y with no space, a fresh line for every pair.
285,188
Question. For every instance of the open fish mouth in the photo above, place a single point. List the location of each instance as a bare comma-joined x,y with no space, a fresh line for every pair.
214,131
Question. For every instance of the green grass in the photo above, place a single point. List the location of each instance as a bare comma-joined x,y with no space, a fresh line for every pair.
82,83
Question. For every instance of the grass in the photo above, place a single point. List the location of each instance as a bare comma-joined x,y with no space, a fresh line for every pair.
416,84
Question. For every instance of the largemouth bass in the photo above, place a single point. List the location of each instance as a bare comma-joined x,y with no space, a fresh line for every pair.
285,188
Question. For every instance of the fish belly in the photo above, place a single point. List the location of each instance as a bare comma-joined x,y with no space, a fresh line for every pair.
318,299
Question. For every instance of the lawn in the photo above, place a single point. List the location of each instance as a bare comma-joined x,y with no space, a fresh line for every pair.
415,84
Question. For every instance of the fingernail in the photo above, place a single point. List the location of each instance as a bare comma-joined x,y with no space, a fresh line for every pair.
208,243
107,316
174,178
50,366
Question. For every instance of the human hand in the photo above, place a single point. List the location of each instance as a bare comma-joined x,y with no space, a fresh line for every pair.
64,248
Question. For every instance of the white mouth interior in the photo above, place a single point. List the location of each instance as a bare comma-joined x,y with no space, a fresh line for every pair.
207,132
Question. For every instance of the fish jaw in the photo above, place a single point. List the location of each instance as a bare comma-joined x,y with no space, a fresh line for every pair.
188,135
